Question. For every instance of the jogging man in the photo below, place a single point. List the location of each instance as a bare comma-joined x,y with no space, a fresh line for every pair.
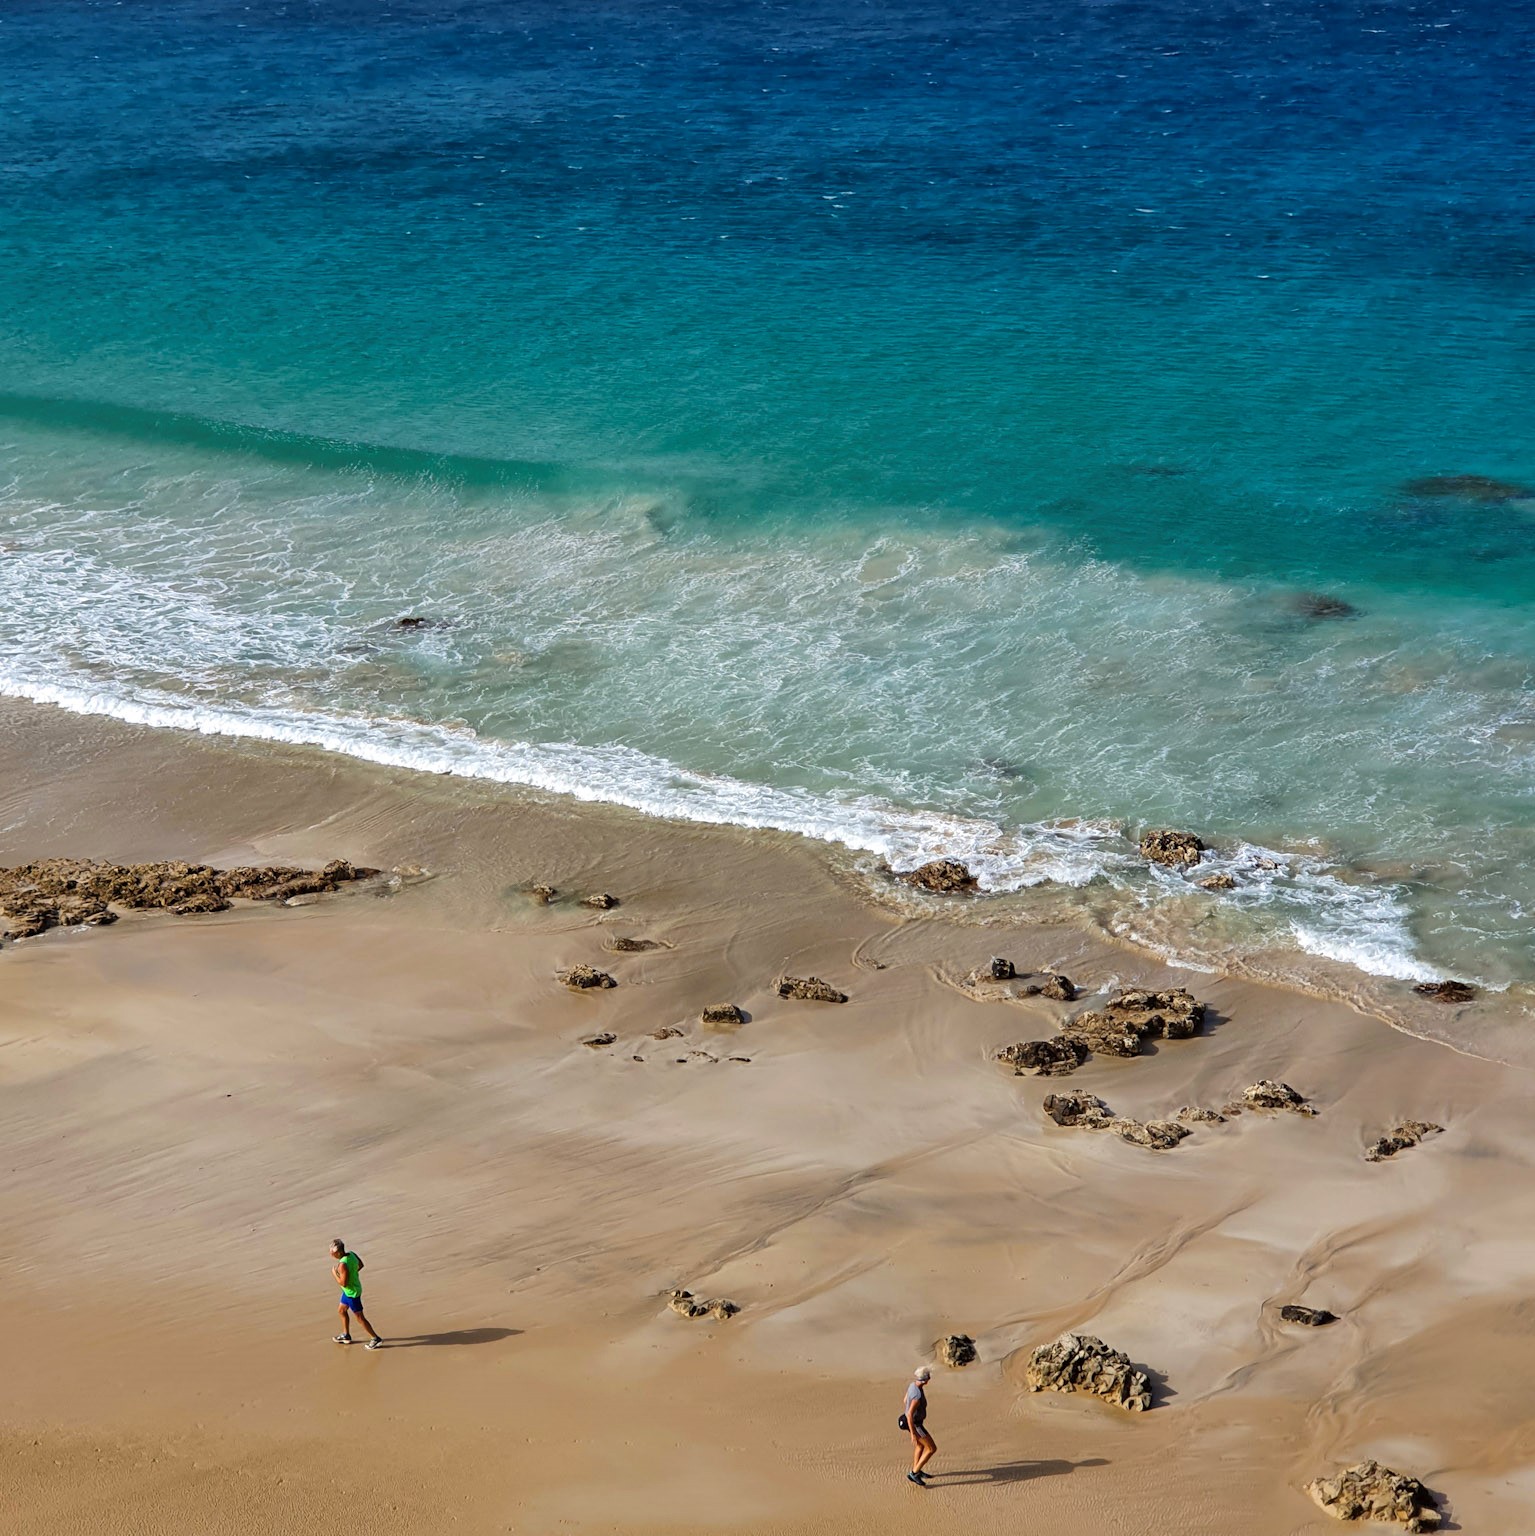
923,1446
347,1269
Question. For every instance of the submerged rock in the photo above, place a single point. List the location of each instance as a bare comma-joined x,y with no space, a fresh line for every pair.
957,1350
50,893
419,621
1446,991
1078,1362
1267,1094
1164,846
542,894
686,1304
1369,1491
723,1014
809,989
1408,1134
1480,488
601,900
1318,605
634,946
1217,882
1308,1317
581,978
943,876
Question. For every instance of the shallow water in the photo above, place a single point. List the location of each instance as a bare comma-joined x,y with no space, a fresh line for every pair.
911,428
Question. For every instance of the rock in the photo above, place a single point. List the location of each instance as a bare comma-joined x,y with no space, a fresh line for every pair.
1077,1362
542,894
1062,989
957,1350
999,969
809,989
1446,991
1408,1134
634,946
1268,1094
1191,1114
1308,1317
723,1014
417,621
1369,1491
599,1042
1218,882
601,900
1078,1109
1159,1135
74,892
1164,846
1044,1058
1480,488
666,1032
686,1304
943,876
1104,1035
1175,1014
308,900
1318,605
582,977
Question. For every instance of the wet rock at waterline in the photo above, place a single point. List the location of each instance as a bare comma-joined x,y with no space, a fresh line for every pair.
603,901
809,989
1217,882
1078,1362
1165,846
945,877
1446,991
582,978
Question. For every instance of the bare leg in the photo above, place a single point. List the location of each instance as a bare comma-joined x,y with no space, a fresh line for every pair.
346,1322
362,1317
927,1448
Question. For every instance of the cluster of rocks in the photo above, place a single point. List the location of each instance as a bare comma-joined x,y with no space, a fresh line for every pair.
958,1349
686,1304
67,893
999,980
1407,1134
601,901
1120,1028
809,989
1369,1491
1089,1113
1077,1362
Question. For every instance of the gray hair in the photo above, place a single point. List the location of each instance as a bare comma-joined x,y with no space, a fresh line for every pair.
922,1373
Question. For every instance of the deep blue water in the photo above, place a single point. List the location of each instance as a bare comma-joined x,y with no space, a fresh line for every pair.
920,420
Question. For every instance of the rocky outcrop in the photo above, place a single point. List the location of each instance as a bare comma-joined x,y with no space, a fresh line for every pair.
945,877
686,1304
1478,488
583,978
1077,1362
809,989
1446,991
603,901
1369,1491
1177,849
57,893
1267,1094
957,1350
1044,1058
1408,1134
723,1015
1308,1317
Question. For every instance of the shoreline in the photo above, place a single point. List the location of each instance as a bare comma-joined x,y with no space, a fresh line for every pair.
191,1107
1120,917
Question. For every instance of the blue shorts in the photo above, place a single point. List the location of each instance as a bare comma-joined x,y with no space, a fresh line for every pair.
351,1303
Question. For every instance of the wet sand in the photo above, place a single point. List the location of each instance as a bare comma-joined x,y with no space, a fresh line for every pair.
190,1108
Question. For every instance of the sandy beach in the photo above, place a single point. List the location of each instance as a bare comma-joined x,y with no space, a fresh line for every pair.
190,1108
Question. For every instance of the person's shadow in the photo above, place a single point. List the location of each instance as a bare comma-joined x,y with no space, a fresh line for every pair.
1011,1472
455,1336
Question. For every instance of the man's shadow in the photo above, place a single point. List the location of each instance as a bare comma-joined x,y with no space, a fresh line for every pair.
1011,1472
455,1336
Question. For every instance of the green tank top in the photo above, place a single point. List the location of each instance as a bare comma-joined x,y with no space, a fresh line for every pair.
353,1285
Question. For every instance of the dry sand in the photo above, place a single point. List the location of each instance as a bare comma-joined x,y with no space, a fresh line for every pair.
191,1108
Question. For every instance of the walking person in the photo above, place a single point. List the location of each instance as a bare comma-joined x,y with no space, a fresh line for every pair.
914,1421
347,1270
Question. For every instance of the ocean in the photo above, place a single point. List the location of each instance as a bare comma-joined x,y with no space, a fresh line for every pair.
934,428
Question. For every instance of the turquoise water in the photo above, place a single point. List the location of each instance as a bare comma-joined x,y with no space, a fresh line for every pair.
919,428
